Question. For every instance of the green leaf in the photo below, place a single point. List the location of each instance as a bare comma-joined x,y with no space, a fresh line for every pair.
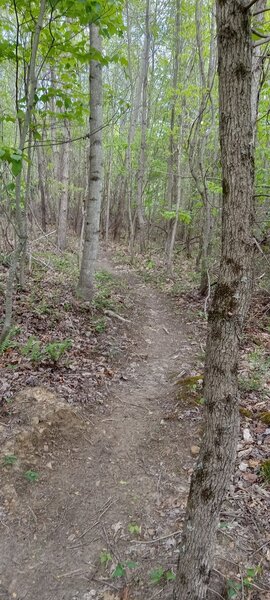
119,571
131,564
157,575
16,167
31,476
134,528
16,156
9,459
170,575
105,557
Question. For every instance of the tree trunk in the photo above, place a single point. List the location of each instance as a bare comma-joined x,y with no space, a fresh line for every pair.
63,203
142,156
257,67
41,175
174,157
215,464
178,197
197,143
93,202
21,241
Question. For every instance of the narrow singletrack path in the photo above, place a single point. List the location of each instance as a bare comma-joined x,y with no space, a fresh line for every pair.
131,467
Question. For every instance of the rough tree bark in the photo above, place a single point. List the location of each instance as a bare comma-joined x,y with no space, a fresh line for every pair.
215,463
93,201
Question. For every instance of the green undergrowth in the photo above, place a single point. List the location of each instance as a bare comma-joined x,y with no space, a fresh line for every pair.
180,279
39,334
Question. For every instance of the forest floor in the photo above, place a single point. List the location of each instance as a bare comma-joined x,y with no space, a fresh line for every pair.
100,425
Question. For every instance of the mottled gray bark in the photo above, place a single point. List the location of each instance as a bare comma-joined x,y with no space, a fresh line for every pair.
41,175
142,155
64,193
93,200
215,463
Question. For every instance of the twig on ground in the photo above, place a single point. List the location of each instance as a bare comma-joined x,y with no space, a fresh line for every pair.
252,584
132,404
163,537
216,593
79,571
107,583
32,512
261,547
157,593
109,504
82,545
111,313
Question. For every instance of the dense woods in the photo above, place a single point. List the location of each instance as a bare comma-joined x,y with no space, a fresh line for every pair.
142,127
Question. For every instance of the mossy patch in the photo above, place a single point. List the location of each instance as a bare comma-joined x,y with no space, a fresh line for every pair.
265,418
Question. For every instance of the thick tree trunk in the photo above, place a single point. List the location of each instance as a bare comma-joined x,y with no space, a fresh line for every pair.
215,464
93,202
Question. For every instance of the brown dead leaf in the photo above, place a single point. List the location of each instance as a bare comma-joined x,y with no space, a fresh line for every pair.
250,477
110,596
125,593
253,463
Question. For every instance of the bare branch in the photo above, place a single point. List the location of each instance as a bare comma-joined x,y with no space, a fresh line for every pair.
260,42
261,35
259,12
250,4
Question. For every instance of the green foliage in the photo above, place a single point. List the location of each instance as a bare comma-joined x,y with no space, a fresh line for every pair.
103,276
120,569
55,350
32,349
159,574
102,300
234,586
184,216
99,325
31,476
134,528
8,342
13,157
52,351
265,470
250,384
105,558
9,460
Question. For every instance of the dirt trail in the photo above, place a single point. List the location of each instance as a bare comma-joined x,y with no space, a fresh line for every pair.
129,466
